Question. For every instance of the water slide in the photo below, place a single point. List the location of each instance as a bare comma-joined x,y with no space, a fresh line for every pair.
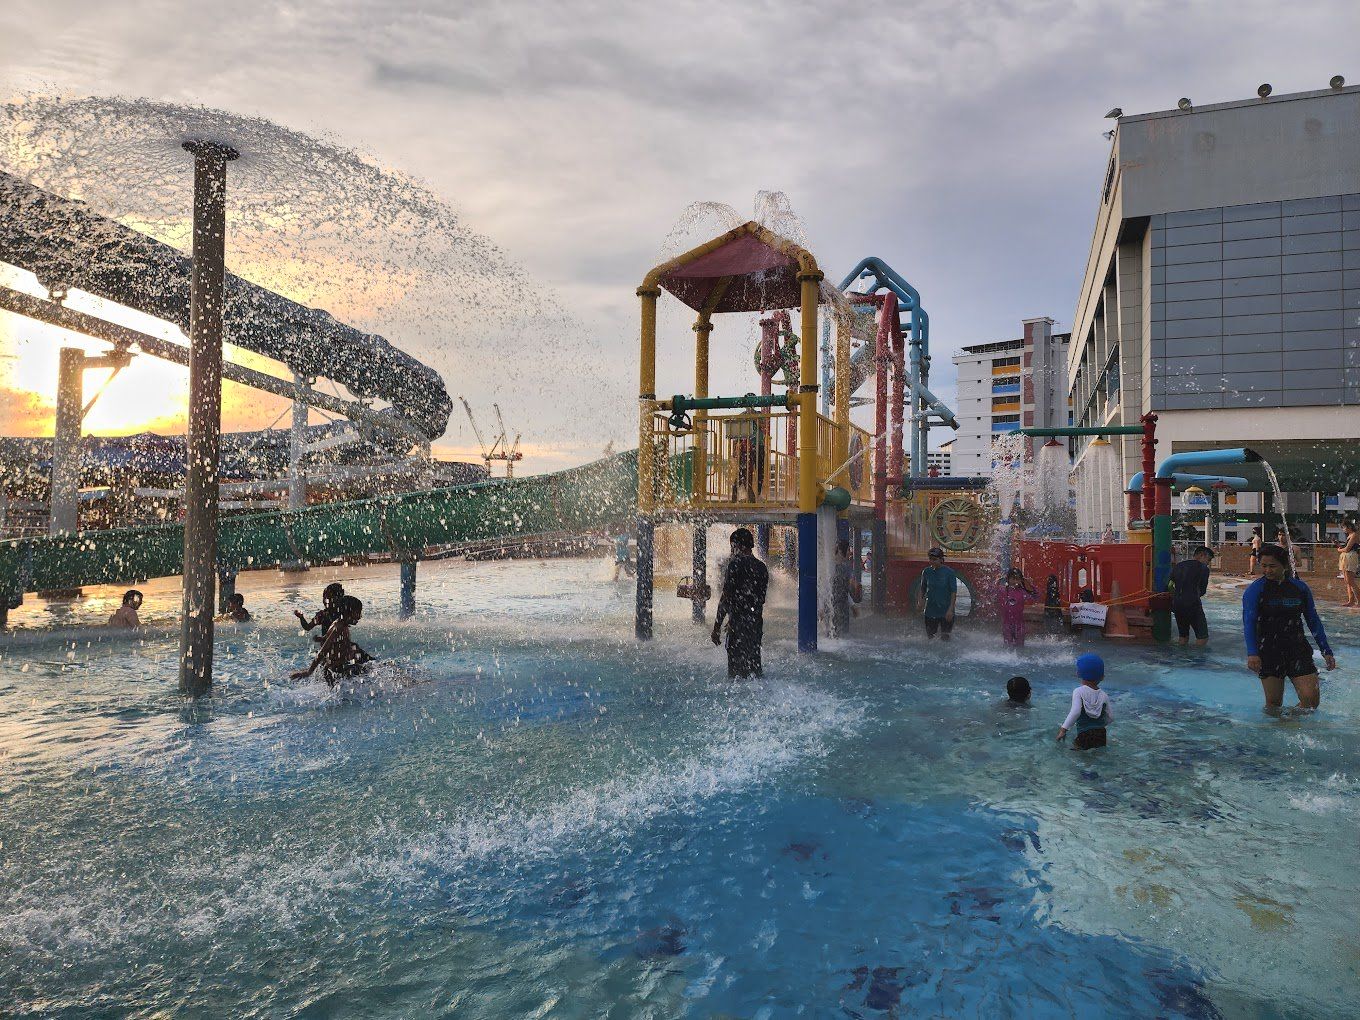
65,245
602,495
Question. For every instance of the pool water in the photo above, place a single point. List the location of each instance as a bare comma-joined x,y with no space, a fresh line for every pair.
529,814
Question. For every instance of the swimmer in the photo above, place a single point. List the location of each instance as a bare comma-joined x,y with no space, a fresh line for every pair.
126,614
1274,608
1018,691
328,613
236,609
1090,705
339,656
1189,582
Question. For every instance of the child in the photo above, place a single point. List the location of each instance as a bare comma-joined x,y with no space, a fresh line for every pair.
236,609
126,614
1011,598
340,657
329,611
1090,705
1017,690
1053,607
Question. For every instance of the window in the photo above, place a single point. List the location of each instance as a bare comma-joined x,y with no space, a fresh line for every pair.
1005,419
1008,403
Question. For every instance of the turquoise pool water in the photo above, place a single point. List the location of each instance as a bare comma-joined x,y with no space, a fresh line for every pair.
531,815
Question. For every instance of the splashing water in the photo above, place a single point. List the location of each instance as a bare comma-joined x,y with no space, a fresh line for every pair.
1284,519
328,227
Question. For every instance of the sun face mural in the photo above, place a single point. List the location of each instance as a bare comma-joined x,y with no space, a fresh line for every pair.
955,523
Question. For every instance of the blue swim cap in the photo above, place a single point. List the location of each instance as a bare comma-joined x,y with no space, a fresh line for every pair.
1090,666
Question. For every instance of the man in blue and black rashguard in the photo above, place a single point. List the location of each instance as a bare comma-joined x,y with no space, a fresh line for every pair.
1274,608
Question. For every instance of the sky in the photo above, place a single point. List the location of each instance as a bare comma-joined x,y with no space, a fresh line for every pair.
959,140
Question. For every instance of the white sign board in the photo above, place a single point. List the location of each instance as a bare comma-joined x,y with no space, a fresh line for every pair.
1088,614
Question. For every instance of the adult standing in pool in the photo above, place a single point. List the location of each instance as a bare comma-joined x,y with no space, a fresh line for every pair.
743,606
1189,583
1349,564
938,595
1274,608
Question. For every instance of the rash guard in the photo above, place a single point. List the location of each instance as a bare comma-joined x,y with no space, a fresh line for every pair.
1090,709
1273,613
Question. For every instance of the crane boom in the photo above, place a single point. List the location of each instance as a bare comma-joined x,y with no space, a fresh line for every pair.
475,430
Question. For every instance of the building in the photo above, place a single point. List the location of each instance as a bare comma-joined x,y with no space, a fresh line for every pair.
1005,385
1222,292
941,462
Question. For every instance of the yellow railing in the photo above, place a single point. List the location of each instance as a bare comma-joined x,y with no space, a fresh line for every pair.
744,459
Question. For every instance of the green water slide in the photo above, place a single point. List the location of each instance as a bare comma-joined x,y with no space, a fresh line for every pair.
602,495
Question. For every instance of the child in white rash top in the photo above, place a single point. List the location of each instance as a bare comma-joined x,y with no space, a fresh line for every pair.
1090,710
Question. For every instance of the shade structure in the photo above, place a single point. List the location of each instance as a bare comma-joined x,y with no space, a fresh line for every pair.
747,269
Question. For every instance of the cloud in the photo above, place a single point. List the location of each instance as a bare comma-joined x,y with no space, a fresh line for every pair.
957,139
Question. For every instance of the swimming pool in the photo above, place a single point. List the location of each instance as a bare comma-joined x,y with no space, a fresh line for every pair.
534,816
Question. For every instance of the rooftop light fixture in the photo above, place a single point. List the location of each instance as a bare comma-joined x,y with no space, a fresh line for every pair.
1264,90
1183,103
1338,82
1114,114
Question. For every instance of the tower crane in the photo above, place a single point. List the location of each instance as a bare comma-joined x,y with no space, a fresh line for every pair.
509,451
488,453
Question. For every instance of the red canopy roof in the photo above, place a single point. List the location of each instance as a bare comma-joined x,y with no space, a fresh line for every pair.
745,270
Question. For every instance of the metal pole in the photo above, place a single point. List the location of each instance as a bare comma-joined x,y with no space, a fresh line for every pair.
408,589
808,452
646,525
205,414
297,481
699,571
64,491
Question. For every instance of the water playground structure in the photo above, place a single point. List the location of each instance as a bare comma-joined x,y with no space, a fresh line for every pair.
783,460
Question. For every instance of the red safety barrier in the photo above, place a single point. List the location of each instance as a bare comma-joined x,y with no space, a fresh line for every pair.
1099,567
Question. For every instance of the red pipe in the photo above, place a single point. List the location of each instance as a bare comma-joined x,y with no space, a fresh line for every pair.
1149,422
1162,500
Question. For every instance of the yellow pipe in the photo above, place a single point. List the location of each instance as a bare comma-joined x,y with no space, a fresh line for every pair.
842,409
647,401
702,329
808,453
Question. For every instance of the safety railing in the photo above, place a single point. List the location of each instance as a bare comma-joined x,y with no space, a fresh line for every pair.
748,459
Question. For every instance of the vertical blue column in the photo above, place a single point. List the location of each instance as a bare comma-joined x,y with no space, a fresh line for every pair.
408,589
699,570
763,543
642,623
807,582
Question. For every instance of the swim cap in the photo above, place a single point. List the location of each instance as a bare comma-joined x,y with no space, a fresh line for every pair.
1090,666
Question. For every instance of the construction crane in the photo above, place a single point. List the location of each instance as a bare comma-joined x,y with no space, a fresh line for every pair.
500,448
509,451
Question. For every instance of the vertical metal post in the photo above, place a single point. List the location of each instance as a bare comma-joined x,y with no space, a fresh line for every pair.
297,433
808,453
763,542
646,528
699,570
1161,557
1149,423
408,589
64,491
205,414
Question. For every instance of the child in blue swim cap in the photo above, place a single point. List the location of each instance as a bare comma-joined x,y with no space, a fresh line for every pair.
1090,712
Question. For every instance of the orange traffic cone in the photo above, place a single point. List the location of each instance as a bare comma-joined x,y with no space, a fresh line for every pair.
1116,622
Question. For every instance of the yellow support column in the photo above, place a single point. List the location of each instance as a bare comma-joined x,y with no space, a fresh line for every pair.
703,329
646,462
808,457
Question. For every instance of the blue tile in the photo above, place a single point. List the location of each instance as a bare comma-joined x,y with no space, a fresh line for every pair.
1251,305
1252,343
1250,324
1212,308
1244,382
1312,397
1326,318
1209,232
1298,283
1184,253
1259,211
1312,300
1192,401
1304,244
1314,262
1251,285
1178,329
1251,228
1269,266
1312,378
1194,217
1265,361
1313,224
1251,398
1312,339
1252,248
1297,360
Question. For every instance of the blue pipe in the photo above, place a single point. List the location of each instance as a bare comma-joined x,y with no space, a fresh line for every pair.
807,582
1203,458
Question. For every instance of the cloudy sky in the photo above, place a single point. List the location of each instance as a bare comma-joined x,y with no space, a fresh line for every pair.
960,140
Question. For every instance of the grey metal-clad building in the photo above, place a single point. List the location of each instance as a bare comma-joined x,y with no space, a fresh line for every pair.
1222,289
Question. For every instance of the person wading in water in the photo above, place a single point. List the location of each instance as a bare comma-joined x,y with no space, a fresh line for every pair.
743,606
